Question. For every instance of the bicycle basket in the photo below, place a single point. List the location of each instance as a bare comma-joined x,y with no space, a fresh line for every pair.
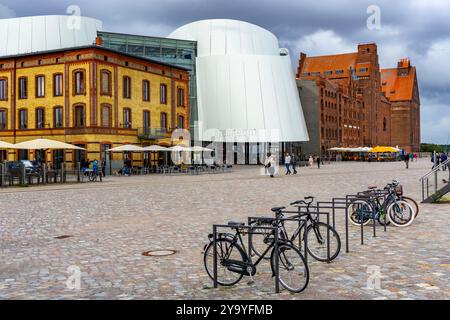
399,190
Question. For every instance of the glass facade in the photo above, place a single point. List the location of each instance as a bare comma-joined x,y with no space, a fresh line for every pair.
177,52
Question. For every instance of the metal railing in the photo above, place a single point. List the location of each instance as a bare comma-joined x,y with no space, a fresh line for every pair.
152,133
434,180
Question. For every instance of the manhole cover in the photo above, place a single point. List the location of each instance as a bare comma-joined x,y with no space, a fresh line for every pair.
159,253
63,237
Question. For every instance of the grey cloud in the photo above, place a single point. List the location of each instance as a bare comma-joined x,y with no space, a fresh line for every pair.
410,28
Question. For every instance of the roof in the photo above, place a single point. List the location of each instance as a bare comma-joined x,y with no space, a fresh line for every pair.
22,55
330,63
398,88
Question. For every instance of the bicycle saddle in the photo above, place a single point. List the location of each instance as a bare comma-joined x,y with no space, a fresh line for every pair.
235,224
277,209
372,187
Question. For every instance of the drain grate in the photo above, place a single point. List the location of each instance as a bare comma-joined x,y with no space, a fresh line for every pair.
159,253
63,237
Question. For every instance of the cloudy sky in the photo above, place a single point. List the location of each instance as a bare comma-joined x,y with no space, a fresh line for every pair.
418,29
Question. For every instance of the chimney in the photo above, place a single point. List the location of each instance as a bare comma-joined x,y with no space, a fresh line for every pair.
98,41
301,65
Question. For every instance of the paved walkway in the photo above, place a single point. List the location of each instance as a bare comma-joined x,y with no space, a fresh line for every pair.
112,223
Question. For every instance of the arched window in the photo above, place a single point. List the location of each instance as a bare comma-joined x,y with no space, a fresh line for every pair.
23,119
79,116
127,118
57,117
79,82
106,85
106,115
3,119
40,118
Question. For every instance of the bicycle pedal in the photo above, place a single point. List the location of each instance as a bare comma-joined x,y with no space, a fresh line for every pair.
251,282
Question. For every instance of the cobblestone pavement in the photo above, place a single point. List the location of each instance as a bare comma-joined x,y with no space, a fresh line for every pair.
113,222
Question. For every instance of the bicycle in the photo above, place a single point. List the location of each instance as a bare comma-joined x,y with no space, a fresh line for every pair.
315,234
379,203
233,262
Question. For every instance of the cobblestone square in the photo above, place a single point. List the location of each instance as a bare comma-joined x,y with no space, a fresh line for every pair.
111,224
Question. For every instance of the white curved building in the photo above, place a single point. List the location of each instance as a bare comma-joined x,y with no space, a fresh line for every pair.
245,82
43,33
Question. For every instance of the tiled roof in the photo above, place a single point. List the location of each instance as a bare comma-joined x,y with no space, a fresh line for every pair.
398,88
330,63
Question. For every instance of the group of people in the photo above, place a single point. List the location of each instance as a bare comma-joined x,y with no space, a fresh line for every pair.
291,163
407,157
440,158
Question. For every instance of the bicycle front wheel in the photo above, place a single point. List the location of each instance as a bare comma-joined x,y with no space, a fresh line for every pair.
359,211
293,270
227,250
316,236
400,213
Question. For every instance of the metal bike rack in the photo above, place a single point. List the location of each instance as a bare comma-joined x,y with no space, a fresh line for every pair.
249,230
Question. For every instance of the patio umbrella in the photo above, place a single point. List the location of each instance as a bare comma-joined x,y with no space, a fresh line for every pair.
381,149
127,148
43,144
155,148
6,145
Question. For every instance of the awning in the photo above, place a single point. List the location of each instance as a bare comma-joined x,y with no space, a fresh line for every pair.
43,144
128,148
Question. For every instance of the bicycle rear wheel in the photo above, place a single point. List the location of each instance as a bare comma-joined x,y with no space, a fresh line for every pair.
293,270
226,250
413,204
317,242
261,239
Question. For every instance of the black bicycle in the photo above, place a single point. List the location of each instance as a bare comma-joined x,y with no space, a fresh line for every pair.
316,232
233,262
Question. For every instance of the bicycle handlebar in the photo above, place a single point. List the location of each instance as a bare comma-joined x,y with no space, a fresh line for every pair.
298,202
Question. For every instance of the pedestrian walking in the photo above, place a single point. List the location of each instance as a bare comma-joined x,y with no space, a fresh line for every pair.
269,163
294,163
406,159
287,163
318,162
443,159
311,161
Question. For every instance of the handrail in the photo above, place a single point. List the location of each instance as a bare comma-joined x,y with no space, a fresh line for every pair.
445,163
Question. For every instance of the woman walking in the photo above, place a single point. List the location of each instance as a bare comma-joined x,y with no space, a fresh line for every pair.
270,164
287,163
311,161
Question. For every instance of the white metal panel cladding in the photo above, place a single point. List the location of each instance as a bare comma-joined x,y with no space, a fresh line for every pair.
42,33
243,83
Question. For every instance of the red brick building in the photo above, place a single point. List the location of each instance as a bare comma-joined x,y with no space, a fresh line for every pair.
366,111
401,88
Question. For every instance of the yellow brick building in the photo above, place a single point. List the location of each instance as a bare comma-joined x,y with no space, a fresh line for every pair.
92,97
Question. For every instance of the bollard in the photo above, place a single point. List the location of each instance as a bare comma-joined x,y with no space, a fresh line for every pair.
78,172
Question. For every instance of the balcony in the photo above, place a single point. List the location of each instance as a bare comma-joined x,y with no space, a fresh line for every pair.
153,133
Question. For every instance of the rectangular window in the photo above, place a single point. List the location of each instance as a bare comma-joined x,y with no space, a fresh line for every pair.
180,97
363,70
339,71
58,117
40,86
164,120
127,118
163,94
23,121
3,89
146,90
58,85
126,87
328,73
23,88
3,120
146,122
40,118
